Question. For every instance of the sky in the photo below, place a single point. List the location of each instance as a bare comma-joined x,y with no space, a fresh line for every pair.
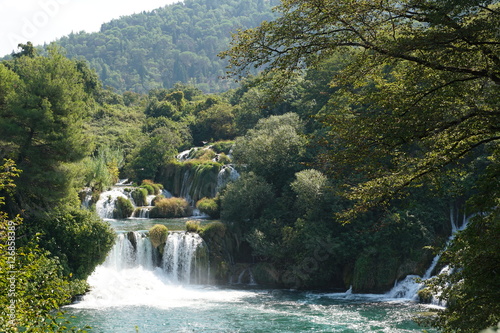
43,21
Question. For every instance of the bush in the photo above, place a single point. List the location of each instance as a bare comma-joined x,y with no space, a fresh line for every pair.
169,208
209,206
156,187
123,208
149,188
158,235
213,230
140,196
79,238
193,226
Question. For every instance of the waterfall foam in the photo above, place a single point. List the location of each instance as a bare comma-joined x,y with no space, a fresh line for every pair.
133,275
408,287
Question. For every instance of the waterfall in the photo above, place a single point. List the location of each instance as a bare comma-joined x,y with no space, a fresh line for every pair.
106,203
226,174
408,287
185,256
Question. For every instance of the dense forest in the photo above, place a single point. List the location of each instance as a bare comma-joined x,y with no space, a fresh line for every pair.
370,130
177,43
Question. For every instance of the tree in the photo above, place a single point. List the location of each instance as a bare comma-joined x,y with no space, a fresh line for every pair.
273,148
41,122
418,101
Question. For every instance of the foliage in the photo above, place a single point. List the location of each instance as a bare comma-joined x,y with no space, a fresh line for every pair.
209,206
140,196
214,123
170,207
79,238
32,282
272,149
193,226
309,186
123,208
222,147
158,235
41,121
245,199
417,102
176,43
103,168
193,178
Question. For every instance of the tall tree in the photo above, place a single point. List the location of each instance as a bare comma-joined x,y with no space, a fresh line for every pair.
43,108
418,101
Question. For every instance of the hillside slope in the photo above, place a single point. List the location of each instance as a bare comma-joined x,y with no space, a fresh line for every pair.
176,43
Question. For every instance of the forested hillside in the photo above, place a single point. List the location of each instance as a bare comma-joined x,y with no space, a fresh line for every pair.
177,43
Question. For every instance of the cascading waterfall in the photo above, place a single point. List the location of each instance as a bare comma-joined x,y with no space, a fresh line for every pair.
408,287
106,203
184,258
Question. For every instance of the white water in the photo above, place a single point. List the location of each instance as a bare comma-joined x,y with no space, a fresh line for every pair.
408,287
129,275
106,203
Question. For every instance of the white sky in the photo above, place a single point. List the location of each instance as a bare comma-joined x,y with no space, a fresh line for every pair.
42,21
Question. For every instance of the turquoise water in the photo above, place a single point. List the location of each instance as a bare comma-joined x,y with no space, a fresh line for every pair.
210,309
136,297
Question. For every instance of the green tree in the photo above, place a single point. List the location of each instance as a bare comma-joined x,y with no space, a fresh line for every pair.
273,149
42,125
419,100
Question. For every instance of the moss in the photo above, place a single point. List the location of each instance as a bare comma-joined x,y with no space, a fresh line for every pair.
223,159
123,208
193,178
223,147
158,235
209,206
170,208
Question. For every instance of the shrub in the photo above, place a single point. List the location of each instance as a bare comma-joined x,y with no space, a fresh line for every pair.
156,187
149,188
158,235
193,226
209,206
123,208
79,238
169,208
140,196
213,230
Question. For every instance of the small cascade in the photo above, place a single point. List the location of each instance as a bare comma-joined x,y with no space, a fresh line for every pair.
132,249
408,288
184,258
106,203
87,200
226,174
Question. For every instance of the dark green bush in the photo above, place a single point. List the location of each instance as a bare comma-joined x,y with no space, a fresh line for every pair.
169,208
140,196
149,188
209,206
79,238
123,208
